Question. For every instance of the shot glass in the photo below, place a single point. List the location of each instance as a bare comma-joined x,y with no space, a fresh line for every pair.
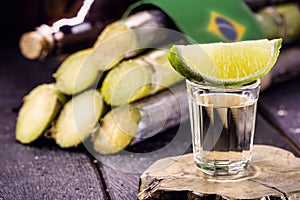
222,123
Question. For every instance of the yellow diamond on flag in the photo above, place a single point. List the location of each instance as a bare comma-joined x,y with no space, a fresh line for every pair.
225,27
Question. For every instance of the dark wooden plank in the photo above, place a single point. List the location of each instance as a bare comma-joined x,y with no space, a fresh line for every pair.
280,105
266,134
40,170
19,76
121,171
43,171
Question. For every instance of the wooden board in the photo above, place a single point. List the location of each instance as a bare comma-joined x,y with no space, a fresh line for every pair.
273,173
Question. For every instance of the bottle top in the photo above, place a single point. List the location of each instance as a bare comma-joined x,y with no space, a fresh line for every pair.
37,44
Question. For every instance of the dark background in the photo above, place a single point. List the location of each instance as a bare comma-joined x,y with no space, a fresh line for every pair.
17,17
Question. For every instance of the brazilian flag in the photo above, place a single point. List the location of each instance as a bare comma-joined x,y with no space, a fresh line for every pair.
208,21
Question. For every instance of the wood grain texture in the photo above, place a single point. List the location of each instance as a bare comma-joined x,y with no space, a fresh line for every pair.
121,171
273,173
43,171
280,105
266,134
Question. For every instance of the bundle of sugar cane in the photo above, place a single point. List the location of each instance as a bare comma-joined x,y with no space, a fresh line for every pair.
129,81
80,115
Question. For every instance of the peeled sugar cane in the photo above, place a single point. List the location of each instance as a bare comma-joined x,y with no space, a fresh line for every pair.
39,109
117,129
72,76
78,119
132,123
137,78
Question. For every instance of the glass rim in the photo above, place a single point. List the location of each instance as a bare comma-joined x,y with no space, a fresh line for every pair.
207,85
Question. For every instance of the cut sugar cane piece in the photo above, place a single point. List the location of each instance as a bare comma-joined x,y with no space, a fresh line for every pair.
40,107
78,119
137,78
127,37
117,129
112,50
130,81
113,30
73,76
130,124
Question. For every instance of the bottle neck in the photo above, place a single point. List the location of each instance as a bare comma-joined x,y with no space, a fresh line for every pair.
76,31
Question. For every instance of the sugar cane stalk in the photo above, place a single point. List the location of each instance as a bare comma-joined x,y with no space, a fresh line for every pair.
127,37
72,76
137,78
280,21
78,119
129,124
117,129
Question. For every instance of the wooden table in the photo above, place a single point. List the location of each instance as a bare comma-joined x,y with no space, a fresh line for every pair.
44,171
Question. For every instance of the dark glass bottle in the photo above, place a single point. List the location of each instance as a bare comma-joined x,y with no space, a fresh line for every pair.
77,29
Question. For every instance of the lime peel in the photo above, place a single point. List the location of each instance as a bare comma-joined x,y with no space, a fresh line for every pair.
235,63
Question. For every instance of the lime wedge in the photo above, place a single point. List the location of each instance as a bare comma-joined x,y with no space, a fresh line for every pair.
234,63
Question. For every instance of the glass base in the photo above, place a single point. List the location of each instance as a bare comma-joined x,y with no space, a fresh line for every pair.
222,168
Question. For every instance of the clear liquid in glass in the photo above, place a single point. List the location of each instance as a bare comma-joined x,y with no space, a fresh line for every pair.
223,130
